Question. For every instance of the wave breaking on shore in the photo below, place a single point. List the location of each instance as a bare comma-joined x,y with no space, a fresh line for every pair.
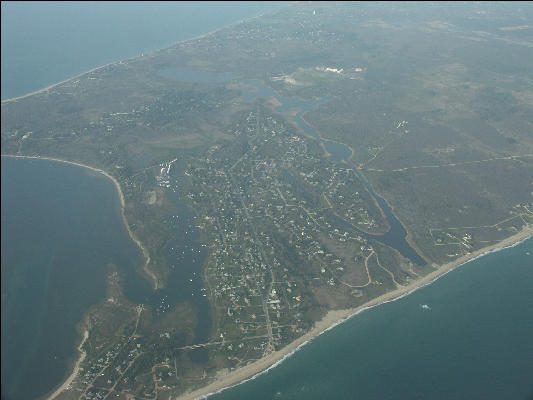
345,315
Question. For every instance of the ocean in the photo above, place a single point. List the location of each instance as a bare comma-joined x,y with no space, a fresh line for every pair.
472,342
47,42
61,228
61,224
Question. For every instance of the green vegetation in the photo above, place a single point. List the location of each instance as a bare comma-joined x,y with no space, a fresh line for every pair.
436,103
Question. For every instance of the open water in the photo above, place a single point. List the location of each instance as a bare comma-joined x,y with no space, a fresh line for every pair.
61,228
47,42
61,224
473,342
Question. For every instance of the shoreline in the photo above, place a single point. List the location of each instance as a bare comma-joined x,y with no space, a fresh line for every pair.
53,85
336,317
66,384
146,254
329,321
124,60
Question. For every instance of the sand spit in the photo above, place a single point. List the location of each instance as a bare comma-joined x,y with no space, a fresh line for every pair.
334,318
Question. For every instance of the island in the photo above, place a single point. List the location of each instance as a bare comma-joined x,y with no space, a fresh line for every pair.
329,157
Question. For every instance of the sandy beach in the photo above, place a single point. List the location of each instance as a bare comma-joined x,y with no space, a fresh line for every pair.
53,85
146,255
145,252
330,320
333,318
148,54
65,385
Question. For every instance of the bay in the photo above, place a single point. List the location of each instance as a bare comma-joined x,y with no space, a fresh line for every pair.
474,342
50,242
61,228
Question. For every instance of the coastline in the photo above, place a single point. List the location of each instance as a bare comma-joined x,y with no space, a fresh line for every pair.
336,317
330,320
121,61
82,354
53,85
125,60
146,254
66,384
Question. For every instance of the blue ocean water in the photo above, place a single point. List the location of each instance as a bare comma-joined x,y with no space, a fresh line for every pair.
47,42
474,341
52,218
61,228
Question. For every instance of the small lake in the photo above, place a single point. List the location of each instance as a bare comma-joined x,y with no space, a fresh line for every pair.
339,153
46,42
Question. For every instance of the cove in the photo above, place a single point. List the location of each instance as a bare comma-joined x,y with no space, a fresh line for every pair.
61,228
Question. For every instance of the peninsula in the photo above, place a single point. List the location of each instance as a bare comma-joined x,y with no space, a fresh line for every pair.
332,156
